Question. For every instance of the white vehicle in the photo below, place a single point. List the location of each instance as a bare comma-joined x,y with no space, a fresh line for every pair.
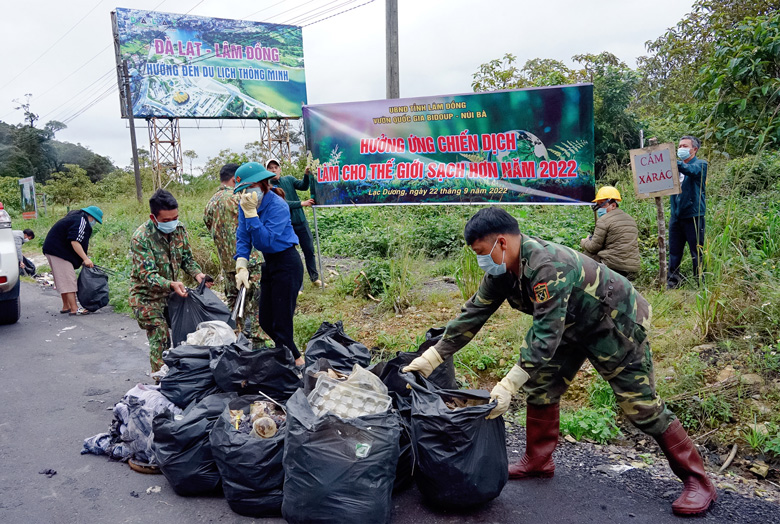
10,307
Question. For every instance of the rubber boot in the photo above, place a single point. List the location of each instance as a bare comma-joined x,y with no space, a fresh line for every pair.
685,461
542,425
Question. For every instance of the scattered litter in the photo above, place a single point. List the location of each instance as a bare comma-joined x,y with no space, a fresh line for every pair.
68,328
48,472
153,489
613,470
134,494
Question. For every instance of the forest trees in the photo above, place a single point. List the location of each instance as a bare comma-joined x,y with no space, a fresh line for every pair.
614,85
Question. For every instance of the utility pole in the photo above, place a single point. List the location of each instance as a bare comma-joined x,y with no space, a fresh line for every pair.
129,105
391,45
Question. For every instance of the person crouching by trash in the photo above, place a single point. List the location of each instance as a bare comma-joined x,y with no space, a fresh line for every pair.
161,252
615,241
581,310
66,246
264,222
20,238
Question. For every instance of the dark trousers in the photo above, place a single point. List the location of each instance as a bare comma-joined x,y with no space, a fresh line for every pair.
307,246
684,231
280,280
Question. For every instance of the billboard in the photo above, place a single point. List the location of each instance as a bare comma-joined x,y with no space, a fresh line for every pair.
195,67
527,146
29,205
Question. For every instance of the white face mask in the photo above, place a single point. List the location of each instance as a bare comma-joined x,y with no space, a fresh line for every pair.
487,264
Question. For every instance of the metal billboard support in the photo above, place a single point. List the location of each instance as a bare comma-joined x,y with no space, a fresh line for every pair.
275,135
165,150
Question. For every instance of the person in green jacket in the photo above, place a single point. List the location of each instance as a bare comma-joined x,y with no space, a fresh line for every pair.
300,225
615,241
686,222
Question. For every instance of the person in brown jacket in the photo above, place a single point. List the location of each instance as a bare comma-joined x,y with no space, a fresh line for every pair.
615,241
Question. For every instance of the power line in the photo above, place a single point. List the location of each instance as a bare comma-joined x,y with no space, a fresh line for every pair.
311,14
292,8
193,7
67,108
51,46
73,72
92,103
339,13
263,9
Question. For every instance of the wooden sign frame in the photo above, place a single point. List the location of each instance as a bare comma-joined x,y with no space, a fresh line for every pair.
671,148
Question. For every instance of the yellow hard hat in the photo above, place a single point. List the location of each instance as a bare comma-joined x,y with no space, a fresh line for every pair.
607,193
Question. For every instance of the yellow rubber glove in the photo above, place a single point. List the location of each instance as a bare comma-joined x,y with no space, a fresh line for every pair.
503,391
249,203
242,273
425,363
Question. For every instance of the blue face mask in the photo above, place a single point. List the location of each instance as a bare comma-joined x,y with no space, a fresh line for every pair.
601,212
167,227
487,264
684,153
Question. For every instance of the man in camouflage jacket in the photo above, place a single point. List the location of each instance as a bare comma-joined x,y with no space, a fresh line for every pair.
161,255
581,310
221,219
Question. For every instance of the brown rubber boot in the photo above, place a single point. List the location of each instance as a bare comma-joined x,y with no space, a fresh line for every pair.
542,425
685,461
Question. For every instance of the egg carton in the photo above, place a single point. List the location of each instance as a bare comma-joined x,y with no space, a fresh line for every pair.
344,400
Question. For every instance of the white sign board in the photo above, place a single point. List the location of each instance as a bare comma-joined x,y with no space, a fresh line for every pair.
655,171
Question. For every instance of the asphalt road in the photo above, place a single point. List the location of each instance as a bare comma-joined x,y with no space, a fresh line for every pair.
60,375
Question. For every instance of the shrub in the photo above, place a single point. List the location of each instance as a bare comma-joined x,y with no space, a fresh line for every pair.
597,424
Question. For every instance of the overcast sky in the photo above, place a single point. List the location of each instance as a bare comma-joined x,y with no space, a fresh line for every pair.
62,53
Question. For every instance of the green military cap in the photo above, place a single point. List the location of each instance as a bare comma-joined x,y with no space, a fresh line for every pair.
250,173
95,212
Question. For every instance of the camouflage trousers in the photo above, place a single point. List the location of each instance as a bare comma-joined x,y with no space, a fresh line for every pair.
151,318
625,362
249,324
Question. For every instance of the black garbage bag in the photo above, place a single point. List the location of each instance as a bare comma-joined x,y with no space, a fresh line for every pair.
200,305
332,343
443,376
250,467
237,367
189,375
92,288
338,470
461,456
404,472
182,448
29,267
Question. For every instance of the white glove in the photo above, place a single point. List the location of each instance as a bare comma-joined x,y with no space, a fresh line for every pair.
503,391
425,363
242,273
249,202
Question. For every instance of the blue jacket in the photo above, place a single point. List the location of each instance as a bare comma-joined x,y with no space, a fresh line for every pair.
269,232
691,201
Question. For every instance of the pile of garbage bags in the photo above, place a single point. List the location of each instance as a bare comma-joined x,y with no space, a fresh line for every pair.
339,439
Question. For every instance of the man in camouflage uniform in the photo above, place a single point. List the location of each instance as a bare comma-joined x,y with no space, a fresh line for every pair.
581,310
221,218
161,253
